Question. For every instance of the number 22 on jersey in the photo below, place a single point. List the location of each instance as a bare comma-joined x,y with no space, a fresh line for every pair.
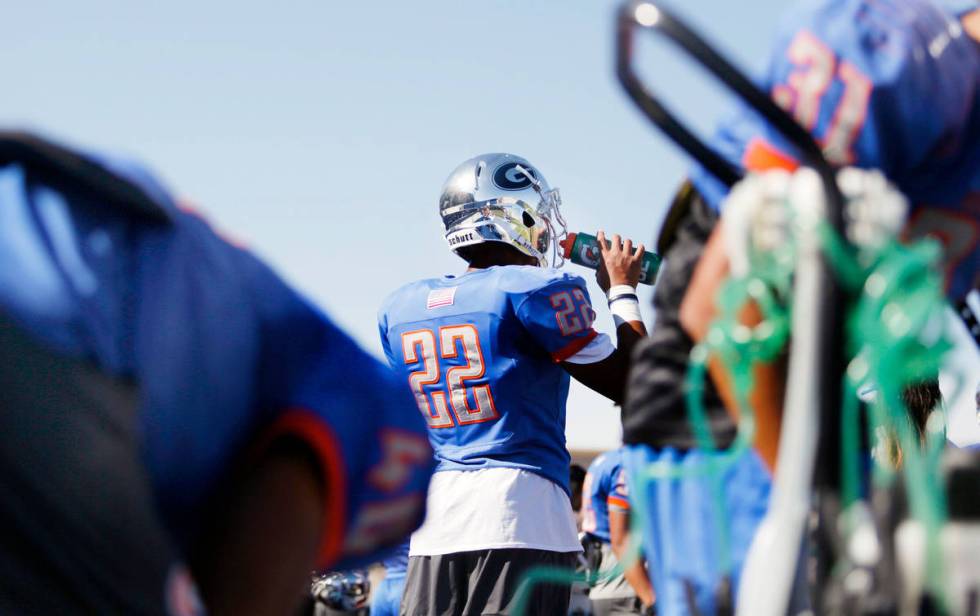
428,347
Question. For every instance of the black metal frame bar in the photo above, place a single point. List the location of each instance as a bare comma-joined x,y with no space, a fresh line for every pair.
830,309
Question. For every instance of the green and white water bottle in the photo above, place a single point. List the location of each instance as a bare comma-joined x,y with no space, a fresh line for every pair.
583,249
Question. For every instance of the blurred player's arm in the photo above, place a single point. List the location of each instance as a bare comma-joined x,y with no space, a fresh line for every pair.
619,539
971,24
620,269
272,513
697,311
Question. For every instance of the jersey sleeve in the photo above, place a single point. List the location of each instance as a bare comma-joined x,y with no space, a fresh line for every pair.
882,85
559,317
385,343
361,422
590,509
618,498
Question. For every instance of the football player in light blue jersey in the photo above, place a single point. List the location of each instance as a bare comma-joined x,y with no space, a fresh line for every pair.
606,524
488,354
889,84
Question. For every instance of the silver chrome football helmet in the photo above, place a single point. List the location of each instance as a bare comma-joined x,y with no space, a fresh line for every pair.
502,198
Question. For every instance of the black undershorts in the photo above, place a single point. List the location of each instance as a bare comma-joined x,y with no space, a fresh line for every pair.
483,582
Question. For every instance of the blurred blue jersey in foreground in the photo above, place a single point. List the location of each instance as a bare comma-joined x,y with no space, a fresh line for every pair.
98,263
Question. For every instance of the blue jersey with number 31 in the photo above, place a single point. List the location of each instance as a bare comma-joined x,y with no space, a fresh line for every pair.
893,85
480,353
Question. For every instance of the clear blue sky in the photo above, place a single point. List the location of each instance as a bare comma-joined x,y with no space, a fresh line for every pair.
319,133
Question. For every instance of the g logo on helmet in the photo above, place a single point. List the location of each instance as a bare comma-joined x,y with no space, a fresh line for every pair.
509,177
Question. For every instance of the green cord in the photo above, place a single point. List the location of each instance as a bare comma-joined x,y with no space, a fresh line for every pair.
897,337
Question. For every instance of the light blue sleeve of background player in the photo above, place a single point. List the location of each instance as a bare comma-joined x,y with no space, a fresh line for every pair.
605,490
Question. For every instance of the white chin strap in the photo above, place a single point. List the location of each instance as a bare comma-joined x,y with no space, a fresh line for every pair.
557,258
550,206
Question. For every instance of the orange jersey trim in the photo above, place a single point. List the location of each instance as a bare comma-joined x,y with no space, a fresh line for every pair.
760,155
619,502
573,347
314,431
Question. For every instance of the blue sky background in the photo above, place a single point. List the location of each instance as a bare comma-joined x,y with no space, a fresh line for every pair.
319,133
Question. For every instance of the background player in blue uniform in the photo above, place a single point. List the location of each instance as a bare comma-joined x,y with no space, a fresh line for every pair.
488,355
606,522
890,84
387,596
169,400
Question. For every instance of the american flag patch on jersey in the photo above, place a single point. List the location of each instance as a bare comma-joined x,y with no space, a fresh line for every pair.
440,297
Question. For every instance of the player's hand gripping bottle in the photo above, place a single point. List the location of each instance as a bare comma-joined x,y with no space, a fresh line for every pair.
583,249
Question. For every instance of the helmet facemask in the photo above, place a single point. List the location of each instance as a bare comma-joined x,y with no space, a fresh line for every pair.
549,209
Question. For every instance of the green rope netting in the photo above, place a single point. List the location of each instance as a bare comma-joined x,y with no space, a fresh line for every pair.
896,337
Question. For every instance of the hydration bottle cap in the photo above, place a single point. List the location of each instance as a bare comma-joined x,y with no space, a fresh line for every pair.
566,245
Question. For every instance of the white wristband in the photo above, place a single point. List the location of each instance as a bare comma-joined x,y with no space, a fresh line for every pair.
623,304
625,310
620,290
